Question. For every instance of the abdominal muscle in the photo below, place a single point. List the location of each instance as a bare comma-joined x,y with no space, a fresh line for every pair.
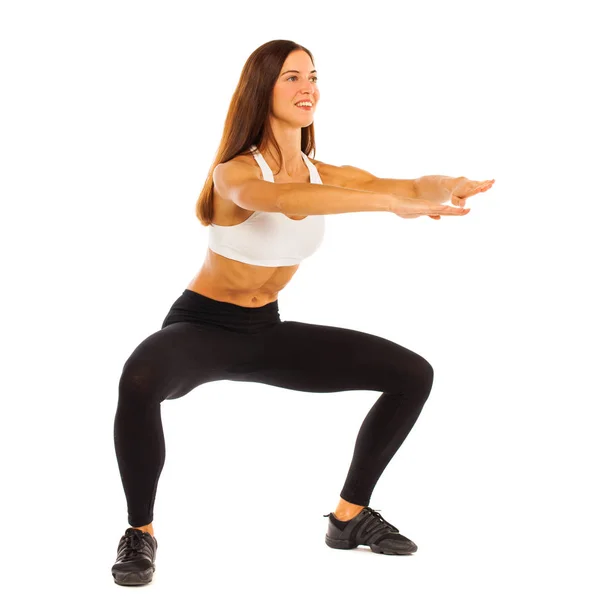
239,283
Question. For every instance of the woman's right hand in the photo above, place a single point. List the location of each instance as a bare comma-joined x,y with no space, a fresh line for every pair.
413,208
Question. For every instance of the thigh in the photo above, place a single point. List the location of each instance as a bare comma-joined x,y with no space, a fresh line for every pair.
179,357
322,359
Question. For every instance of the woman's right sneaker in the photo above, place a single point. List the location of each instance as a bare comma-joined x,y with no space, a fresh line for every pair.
136,554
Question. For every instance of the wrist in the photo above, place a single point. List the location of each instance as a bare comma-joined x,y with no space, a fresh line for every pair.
392,202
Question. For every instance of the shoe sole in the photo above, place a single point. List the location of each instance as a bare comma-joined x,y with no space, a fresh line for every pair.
134,578
341,544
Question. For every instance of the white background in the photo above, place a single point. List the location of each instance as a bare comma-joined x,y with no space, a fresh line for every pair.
111,115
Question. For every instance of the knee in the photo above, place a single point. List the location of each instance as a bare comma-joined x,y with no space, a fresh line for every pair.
426,375
416,378
139,381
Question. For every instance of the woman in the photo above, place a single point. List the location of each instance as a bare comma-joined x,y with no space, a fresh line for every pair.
265,202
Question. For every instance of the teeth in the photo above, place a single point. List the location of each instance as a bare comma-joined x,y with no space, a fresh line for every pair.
304,104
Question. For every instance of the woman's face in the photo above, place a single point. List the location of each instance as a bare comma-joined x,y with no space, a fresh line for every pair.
291,88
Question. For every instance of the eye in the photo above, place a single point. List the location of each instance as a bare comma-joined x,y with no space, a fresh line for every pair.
294,76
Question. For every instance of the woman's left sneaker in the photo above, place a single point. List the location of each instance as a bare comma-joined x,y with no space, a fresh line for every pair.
136,555
367,528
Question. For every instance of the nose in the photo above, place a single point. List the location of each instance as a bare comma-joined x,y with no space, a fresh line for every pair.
309,88
309,93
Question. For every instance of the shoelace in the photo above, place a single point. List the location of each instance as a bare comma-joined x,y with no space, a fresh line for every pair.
133,544
378,516
381,519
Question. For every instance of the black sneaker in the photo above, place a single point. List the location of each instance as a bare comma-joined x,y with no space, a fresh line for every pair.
135,558
367,528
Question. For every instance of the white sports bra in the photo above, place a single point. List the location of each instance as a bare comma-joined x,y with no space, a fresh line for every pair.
270,238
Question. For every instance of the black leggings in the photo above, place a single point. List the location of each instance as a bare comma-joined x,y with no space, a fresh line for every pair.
203,340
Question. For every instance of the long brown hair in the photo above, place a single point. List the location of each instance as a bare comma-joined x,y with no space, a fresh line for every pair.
247,121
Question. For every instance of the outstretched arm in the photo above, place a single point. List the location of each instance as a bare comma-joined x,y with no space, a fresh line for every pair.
353,177
436,188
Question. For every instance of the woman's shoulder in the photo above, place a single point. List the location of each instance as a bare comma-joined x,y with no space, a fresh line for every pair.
244,159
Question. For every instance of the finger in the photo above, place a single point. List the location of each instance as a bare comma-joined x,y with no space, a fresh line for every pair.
473,187
477,189
450,210
428,208
483,185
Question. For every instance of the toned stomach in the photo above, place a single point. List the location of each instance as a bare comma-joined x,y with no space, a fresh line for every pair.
228,280
238,283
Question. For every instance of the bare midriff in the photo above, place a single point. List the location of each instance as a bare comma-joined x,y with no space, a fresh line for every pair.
228,280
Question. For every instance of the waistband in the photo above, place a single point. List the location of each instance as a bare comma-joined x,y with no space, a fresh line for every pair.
209,302
194,307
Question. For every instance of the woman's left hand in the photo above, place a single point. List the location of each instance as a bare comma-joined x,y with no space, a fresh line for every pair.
440,189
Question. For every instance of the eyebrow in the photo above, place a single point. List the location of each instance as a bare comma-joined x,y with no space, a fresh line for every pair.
293,71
